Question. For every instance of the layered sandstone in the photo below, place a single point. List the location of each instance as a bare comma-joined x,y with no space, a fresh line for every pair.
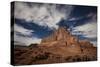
59,47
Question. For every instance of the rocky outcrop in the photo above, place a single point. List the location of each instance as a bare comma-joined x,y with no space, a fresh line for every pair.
85,44
60,35
59,47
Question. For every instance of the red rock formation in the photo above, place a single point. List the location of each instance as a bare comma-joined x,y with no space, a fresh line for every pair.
85,43
59,47
61,35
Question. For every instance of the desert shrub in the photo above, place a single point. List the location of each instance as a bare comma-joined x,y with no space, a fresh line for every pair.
33,59
41,57
33,46
19,53
94,58
78,59
86,58
68,58
47,53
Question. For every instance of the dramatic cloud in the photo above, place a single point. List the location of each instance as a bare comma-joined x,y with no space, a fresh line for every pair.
86,27
24,36
22,30
25,41
42,14
33,19
90,16
88,31
89,28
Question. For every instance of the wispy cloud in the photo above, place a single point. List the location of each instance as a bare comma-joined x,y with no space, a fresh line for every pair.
90,16
88,31
42,14
25,41
23,36
22,30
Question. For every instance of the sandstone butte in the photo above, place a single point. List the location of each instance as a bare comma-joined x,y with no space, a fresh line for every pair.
59,47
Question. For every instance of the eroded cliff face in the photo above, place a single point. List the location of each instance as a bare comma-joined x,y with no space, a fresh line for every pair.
61,35
58,35
59,47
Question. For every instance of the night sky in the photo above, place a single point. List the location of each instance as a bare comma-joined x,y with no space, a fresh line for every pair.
35,21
